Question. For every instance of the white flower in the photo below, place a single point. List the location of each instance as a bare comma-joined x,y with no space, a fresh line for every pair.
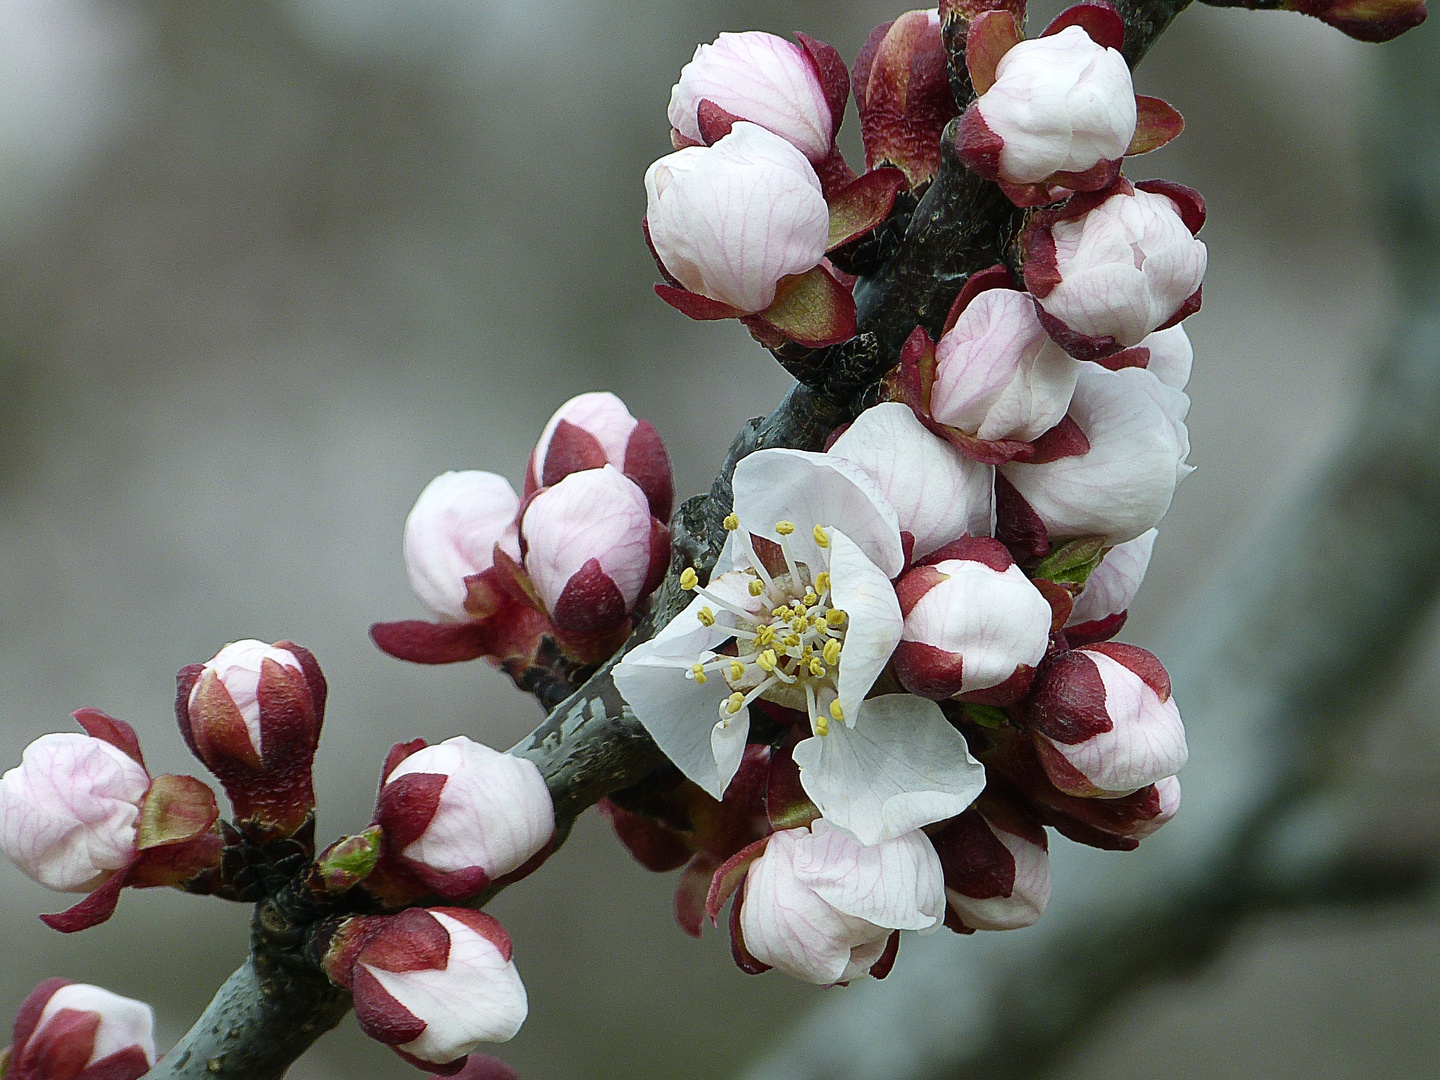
761,78
999,375
68,811
1138,445
730,220
819,906
451,535
1059,104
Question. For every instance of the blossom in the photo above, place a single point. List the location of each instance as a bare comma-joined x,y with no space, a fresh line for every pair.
1104,722
801,612
1108,592
450,539
1107,274
728,221
1122,486
822,907
596,429
999,374
73,1031
459,814
997,867
973,623
432,984
592,550
761,78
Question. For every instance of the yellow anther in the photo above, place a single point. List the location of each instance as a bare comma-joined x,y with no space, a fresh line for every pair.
822,581
792,640
706,616
831,652
822,726
764,636
731,522
734,703
816,668
822,538
799,623
812,598
756,586
784,528
698,670
836,711
737,671
835,617
780,613
767,661
688,578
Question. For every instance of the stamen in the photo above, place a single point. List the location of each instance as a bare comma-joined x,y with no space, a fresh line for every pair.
831,652
767,660
764,636
689,578
737,671
756,587
784,528
822,538
816,668
822,582
836,711
836,618
698,672
822,726
735,702
731,522
706,616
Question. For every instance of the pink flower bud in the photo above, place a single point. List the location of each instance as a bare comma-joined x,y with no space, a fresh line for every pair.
252,714
459,815
902,89
973,623
68,811
1109,274
997,867
450,539
761,78
1059,104
1122,486
72,1031
592,550
820,906
1000,376
1104,722
730,220
430,984
597,429
1364,20
1111,587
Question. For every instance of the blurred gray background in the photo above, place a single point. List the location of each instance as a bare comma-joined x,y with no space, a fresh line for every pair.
267,267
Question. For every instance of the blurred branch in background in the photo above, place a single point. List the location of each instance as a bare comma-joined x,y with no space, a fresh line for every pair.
1273,666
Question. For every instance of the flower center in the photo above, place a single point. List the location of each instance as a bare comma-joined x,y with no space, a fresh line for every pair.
789,651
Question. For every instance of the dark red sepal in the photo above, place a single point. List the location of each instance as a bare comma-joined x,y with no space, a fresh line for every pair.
992,277
94,909
991,35
422,642
1088,633
1157,123
106,728
886,963
1063,440
1189,203
1017,525
1068,704
862,205
1097,18
743,960
700,308
730,876
714,122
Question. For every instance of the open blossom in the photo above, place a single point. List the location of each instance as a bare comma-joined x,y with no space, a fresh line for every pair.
450,539
459,815
592,550
596,429
1104,721
974,625
1107,275
73,1031
805,596
1123,485
822,907
1059,104
997,867
430,984
728,221
999,375
761,78
1111,587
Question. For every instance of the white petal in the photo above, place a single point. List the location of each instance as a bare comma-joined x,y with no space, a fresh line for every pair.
1171,356
873,629
902,768
897,883
817,489
451,533
1114,583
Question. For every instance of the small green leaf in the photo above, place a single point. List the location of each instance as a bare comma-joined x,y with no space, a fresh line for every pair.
985,715
1072,563
348,862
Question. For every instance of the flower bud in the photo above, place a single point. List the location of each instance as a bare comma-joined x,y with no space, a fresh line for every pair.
1059,104
974,625
1099,610
72,1031
1104,722
902,90
1111,268
593,550
728,221
1167,795
820,906
1122,486
997,867
999,375
1364,20
252,714
594,430
761,78
458,815
430,984
450,539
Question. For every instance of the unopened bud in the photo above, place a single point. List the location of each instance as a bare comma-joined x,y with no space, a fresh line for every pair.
594,430
71,1031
